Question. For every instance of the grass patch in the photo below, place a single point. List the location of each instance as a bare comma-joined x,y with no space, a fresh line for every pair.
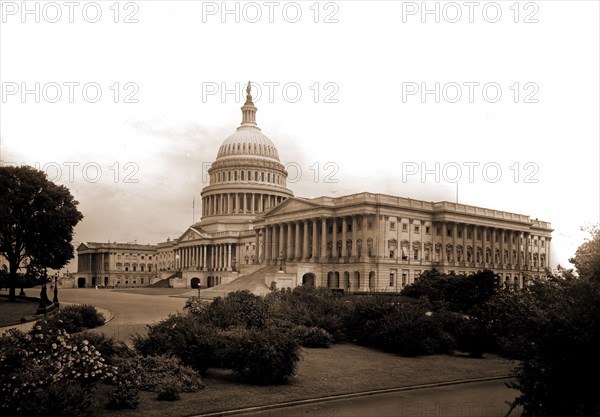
11,313
340,369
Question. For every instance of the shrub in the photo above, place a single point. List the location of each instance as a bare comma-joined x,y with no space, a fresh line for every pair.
125,396
169,389
74,319
261,356
108,347
194,305
239,308
186,337
312,337
30,363
63,398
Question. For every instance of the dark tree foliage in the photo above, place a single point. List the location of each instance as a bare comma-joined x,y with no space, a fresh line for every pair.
587,256
461,292
556,377
37,218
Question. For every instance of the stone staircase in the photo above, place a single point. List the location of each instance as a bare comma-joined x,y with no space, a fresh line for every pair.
253,282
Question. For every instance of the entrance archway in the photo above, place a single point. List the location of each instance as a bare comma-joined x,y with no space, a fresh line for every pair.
81,282
195,282
308,279
94,281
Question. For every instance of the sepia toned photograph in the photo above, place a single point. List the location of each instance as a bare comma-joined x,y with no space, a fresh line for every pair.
310,208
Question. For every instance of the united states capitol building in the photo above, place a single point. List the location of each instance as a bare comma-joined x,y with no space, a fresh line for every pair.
253,231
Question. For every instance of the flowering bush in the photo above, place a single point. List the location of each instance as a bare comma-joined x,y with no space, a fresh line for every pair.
196,306
31,362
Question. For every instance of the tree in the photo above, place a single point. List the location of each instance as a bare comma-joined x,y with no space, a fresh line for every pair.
587,256
37,218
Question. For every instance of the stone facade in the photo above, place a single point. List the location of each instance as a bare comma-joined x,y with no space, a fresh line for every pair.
360,242
116,265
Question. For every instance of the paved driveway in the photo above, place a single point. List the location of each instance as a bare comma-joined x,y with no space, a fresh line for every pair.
132,312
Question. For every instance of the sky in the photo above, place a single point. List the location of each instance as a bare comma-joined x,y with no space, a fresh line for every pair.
495,104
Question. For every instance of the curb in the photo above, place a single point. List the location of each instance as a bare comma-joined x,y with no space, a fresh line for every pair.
346,396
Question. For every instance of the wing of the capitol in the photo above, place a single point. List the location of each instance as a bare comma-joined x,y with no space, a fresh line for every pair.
253,231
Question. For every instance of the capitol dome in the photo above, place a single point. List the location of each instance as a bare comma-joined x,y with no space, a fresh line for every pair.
247,177
249,141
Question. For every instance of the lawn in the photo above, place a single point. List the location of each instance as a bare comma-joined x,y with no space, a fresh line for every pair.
341,369
11,313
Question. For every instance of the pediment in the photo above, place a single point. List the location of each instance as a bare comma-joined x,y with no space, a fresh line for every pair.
291,205
192,234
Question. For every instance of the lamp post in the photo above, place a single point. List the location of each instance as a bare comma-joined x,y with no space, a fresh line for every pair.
55,299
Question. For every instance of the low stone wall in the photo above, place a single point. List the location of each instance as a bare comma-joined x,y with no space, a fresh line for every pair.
281,279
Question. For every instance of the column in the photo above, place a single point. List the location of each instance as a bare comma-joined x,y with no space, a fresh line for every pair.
267,244
214,205
257,251
510,247
493,244
237,202
454,242
281,240
289,248
252,205
229,256
344,236
464,232
323,238
305,241
297,249
365,248
334,238
484,241
444,233
519,246
354,252
526,263
315,245
275,245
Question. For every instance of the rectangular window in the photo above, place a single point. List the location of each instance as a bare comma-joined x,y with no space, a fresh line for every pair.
543,243
479,235
487,237
469,234
459,233
404,227
392,225
449,233
404,278
391,279
416,254
438,231
427,230
417,229
369,224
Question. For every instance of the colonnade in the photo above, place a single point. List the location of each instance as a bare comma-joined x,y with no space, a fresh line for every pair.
490,246
307,240
231,203
213,257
